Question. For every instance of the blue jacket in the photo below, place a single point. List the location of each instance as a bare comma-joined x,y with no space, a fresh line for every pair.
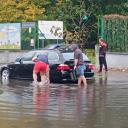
43,58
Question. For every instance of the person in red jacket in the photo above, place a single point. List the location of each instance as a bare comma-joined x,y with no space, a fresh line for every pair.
41,66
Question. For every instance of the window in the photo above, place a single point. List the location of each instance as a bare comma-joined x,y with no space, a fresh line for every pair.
53,56
28,56
70,56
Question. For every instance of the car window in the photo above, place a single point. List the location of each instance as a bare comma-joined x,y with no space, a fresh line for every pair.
53,56
70,56
54,46
28,56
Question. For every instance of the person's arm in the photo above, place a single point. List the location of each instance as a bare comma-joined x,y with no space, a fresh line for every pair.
75,63
76,59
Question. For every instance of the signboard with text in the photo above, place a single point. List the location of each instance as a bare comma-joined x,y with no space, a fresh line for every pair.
50,29
10,36
28,24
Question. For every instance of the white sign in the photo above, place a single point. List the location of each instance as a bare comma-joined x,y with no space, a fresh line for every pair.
50,29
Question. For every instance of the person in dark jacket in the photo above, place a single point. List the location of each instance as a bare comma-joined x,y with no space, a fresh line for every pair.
41,66
79,64
102,55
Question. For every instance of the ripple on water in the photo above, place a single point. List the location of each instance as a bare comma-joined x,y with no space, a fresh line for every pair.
1,91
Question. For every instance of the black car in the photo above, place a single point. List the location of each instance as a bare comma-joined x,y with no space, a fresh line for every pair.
55,46
60,61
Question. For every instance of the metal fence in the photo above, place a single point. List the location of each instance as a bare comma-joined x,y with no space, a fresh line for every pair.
114,30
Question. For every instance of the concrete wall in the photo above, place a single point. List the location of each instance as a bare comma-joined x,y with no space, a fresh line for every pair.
7,56
114,60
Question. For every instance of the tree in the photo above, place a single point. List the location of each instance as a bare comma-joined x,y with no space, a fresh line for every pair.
19,10
74,14
113,6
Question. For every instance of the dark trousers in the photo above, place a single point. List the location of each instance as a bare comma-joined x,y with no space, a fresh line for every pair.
102,61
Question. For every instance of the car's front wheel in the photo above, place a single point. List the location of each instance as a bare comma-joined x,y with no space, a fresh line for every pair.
5,73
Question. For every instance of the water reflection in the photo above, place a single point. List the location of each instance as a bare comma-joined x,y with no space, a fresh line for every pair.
19,101
65,105
103,80
4,81
40,98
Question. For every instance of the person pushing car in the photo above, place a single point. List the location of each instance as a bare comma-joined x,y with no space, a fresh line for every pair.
41,66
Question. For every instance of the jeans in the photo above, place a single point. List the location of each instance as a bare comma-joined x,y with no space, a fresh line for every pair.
102,61
81,69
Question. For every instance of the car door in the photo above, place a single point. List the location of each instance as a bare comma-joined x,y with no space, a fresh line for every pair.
25,68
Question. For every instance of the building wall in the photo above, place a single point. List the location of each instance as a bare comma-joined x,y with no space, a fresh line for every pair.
7,56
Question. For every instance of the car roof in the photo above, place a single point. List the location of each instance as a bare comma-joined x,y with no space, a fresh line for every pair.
44,49
60,47
70,55
54,46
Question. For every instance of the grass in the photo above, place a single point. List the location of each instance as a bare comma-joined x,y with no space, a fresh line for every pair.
91,55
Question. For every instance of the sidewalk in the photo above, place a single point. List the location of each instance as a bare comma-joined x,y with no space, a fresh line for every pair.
114,69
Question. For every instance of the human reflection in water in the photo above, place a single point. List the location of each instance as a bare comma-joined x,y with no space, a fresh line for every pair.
102,91
103,79
84,103
40,98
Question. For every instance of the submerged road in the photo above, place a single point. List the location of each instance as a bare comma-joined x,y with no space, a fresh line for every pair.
103,104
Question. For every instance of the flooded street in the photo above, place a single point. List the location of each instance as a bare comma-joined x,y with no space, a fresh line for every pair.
103,104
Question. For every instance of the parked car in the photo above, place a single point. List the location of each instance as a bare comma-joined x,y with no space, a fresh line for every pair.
61,66
54,46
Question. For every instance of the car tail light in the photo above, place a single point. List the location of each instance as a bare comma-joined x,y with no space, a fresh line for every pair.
63,67
90,66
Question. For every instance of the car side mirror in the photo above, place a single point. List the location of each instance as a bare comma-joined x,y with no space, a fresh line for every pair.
18,60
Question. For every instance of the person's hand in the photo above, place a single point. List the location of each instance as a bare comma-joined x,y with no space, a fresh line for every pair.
34,59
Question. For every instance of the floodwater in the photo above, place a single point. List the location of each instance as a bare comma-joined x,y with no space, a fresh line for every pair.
103,104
